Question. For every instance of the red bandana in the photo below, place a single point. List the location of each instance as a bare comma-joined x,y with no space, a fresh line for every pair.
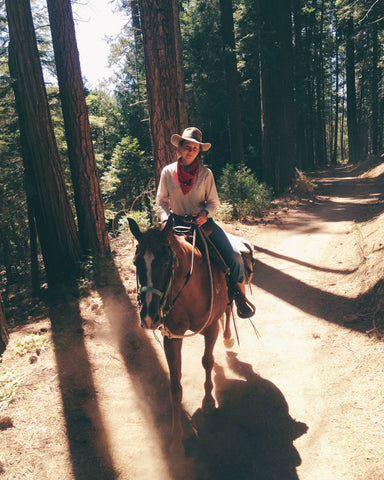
186,178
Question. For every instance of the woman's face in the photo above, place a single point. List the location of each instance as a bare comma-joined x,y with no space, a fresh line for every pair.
189,151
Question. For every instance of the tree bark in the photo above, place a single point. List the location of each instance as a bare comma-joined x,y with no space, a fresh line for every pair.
351,94
375,91
85,177
165,82
35,283
337,101
4,241
232,82
320,135
4,335
54,217
277,93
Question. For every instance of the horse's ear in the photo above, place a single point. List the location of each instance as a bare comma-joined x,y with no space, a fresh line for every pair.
168,229
135,229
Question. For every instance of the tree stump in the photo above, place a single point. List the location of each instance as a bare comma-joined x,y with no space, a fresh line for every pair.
4,335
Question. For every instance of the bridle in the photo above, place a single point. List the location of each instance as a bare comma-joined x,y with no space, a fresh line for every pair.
164,295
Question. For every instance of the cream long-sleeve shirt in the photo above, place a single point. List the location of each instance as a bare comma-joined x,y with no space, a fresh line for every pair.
169,197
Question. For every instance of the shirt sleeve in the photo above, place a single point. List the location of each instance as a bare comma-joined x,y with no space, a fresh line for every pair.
212,198
162,199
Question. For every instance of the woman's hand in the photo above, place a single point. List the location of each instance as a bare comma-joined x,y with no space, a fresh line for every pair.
201,218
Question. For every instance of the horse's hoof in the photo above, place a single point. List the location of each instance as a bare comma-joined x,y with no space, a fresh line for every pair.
229,343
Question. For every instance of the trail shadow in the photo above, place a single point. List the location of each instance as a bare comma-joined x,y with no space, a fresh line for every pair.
300,262
316,302
361,199
89,449
340,196
150,380
250,435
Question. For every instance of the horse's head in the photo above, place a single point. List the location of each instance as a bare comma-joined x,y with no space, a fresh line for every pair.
154,267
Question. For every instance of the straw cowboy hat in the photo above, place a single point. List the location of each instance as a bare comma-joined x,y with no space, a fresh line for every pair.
192,134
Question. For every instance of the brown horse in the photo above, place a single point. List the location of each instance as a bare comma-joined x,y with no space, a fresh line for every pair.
182,301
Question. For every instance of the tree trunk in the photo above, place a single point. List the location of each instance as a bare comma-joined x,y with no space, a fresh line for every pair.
351,94
277,93
165,87
9,269
301,103
320,140
232,82
85,177
136,27
54,218
342,149
375,91
337,101
4,335
35,282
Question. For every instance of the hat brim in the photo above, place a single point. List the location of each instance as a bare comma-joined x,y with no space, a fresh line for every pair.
176,139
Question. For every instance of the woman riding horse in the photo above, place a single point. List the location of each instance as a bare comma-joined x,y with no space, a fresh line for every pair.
187,187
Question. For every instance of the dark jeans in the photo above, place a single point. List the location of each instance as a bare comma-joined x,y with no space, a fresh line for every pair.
228,250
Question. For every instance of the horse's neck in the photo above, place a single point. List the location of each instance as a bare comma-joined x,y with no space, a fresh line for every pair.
183,252
182,249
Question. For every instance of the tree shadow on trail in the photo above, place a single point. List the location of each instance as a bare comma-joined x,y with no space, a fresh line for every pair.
150,380
351,198
87,437
250,435
312,300
303,264
89,449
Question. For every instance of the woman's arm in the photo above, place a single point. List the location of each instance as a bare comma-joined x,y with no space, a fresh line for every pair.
212,198
162,200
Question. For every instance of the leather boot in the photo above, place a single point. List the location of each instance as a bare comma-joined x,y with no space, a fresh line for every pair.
245,309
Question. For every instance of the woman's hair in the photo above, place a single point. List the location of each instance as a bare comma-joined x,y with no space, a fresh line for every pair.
183,140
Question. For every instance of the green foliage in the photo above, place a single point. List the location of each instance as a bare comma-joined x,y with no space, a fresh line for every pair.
141,218
107,125
225,212
240,188
303,185
31,343
8,388
129,174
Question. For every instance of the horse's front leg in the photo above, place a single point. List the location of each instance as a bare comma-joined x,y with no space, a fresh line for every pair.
172,349
226,324
210,337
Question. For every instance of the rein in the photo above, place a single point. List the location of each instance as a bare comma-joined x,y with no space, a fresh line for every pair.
165,330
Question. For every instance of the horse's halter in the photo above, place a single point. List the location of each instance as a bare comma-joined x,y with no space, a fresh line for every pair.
162,294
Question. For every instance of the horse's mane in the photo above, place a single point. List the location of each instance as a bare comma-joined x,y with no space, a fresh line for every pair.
155,239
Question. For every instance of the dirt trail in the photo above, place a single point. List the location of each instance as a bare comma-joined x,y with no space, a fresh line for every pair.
305,401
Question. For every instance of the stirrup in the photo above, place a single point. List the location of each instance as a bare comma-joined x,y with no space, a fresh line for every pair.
245,309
